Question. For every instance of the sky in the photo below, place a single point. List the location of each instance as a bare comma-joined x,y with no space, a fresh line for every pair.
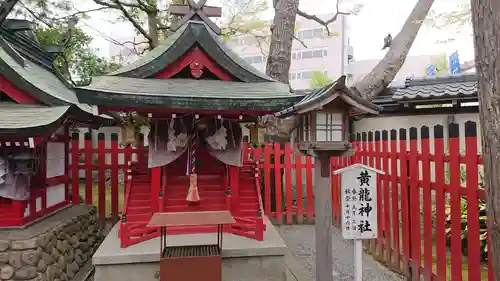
367,29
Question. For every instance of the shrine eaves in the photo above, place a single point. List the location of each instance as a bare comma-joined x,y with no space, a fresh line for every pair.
196,11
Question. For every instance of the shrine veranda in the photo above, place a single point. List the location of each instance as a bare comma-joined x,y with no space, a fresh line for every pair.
194,93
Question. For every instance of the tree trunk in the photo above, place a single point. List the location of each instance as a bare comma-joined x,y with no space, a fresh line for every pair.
5,8
282,33
379,78
153,29
486,23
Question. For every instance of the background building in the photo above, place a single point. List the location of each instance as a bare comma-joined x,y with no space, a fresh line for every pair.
414,66
316,51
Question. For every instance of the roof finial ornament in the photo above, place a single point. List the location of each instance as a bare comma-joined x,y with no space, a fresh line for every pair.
196,11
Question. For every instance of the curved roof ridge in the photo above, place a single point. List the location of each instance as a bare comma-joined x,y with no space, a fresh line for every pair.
193,33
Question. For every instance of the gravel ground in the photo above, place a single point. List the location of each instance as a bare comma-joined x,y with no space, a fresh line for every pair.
300,241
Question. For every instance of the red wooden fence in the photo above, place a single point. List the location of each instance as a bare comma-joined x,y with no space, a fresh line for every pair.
430,192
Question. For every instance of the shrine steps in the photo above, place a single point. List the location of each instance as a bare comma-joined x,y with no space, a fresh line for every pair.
212,191
138,209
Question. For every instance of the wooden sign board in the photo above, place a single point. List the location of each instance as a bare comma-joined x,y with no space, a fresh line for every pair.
359,202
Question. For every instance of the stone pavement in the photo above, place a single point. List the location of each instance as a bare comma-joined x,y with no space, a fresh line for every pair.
300,241
295,271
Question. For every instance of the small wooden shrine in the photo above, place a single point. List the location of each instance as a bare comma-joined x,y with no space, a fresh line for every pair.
37,109
195,92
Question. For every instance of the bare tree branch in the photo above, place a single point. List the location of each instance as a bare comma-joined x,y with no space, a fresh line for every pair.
320,21
5,8
78,12
36,15
146,7
300,41
127,15
116,4
384,72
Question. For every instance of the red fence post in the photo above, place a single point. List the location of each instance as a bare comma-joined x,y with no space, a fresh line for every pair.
387,196
379,242
439,186
101,176
456,214
395,198
87,150
277,183
427,201
288,183
405,214
267,179
114,178
414,205
473,227
75,168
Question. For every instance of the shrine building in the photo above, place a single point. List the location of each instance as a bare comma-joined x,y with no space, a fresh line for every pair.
196,92
37,109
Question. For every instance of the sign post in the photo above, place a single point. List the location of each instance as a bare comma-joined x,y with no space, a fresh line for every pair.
454,63
359,208
431,70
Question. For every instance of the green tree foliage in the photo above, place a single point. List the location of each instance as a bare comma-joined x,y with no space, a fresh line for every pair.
441,64
319,79
79,61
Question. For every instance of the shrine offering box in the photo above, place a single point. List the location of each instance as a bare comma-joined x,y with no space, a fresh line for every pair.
191,262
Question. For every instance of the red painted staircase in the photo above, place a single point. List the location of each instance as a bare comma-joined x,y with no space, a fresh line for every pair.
248,212
138,208
244,201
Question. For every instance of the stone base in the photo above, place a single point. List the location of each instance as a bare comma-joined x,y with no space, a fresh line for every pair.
244,259
53,249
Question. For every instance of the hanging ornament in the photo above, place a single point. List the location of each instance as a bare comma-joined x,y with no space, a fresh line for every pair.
171,137
218,140
130,134
193,196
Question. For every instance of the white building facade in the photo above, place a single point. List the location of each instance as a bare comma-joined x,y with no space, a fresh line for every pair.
315,52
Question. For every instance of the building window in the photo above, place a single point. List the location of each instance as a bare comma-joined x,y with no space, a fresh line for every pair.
329,126
305,75
309,54
312,33
245,40
255,59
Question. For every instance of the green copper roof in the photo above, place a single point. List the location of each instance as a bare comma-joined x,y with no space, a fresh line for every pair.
193,33
35,80
316,98
187,94
30,120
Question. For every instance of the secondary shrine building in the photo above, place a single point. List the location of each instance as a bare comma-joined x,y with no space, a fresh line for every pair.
37,109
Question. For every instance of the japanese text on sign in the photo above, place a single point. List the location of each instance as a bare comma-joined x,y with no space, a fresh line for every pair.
359,209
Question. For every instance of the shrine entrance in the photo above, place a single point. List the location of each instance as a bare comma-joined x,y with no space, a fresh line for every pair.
206,164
